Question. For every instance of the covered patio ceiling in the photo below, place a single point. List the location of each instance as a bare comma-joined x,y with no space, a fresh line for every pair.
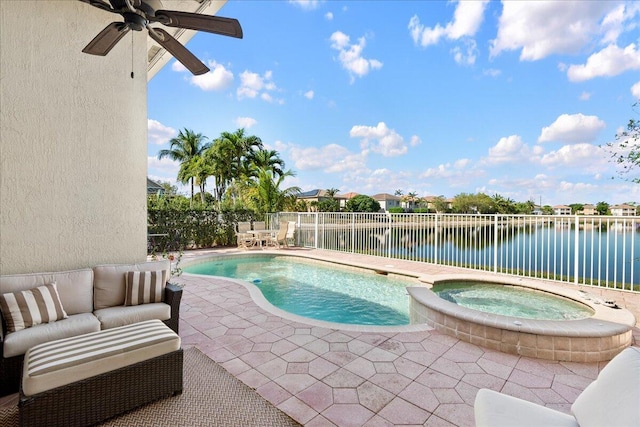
157,56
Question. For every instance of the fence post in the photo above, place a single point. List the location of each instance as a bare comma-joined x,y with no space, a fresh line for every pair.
495,243
315,232
390,239
353,230
576,251
435,240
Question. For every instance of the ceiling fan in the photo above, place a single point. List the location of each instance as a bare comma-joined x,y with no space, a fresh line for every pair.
138,14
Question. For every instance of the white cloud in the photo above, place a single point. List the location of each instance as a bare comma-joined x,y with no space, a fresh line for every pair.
306,4
542,28
610,61
586,157
328,16
466,21
219,78
159,134
465,56
330,158
379,139
572,128
166,165
350,55
635,90
509,149
458,174
309,94
492,72
415,140
585,96
254,85
619,20
246,122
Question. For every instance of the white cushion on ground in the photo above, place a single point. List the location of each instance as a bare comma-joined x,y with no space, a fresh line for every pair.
19,342
614,398
493,409
114,317
62,362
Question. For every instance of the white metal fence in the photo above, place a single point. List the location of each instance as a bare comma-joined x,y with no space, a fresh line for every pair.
591,250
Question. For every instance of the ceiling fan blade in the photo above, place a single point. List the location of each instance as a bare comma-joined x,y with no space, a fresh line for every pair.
106,39
195,21
178,51
101,4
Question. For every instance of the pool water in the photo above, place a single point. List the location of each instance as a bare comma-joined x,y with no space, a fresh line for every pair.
511,301
334,293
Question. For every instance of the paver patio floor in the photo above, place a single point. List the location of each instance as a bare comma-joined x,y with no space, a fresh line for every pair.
324,376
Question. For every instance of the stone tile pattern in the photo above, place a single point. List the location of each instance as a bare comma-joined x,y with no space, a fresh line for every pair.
324,377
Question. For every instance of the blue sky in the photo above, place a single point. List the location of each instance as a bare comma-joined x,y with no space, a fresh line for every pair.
432,97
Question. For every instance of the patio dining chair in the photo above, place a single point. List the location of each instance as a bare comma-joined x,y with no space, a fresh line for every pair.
244,239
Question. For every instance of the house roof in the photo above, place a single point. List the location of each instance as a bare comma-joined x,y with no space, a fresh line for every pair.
347,196
152,185
385,196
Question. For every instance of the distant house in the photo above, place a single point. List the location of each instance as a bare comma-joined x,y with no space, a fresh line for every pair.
430,202
623,210
312,197
154,189
537,210
589,210
387,201
562,210
344,198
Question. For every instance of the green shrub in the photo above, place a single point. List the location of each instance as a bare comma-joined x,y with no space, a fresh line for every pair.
396,209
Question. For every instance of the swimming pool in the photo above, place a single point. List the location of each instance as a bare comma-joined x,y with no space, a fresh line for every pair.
511,301
310,289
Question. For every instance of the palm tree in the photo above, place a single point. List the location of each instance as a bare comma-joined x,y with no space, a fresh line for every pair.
269,160
268,195
184,148
331,192
242,146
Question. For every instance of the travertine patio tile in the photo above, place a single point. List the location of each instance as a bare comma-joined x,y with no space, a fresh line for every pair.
272,392
484,381
529,380
358,347
457,414
386,367
393,346
373,397
214,332
568,393
297,409
343,378
301,340
284,331
339,347
391,382
297,368
413,346
320,368
420,396
241,347
422,357
337,337
436,421
575,381
320,332
261,346
345,395
373,338
495,368
318,347
361,367
295,383
273,368
257,358
253,378
377,421
435,379
253,331
467,392
521,392
348,415
340,358
447,395
379,355
405,367
457,355
412,337
318,396
266,337
299,355
399,411
549,396
219,355
320,421
282,347
235,366
448,367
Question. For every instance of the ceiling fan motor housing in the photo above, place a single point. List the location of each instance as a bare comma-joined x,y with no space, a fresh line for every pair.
135,21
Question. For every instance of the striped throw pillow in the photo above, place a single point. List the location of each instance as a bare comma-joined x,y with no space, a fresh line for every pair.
25,309
143,287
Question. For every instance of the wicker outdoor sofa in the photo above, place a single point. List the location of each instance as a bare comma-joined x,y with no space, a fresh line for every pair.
92,299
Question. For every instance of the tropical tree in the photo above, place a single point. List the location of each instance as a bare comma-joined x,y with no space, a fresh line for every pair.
440,204
503,205
362,203
627,152
602,208
267,160
576,207
267,195
185,147
242,148
331,192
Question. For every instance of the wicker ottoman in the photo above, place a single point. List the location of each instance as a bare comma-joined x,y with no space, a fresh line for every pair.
87,379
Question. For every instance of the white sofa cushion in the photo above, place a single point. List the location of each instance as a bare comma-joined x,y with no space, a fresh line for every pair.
613,399
109,281
75,287
493,409
24,309
114,317
17,343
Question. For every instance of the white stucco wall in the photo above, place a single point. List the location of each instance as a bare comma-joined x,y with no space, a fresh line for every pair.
73,140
